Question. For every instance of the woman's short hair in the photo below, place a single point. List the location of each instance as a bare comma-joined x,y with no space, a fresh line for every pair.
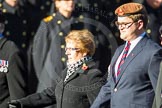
84,40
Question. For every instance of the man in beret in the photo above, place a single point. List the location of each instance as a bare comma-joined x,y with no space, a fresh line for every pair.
135,65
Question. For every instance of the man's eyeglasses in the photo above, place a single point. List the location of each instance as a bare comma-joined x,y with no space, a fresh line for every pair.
124,24
71,49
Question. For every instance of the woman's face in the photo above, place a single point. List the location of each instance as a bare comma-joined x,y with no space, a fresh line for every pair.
65,5
73,53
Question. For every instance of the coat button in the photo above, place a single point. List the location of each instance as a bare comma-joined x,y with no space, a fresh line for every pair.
63,59
62,46
59,22
115,90
60,33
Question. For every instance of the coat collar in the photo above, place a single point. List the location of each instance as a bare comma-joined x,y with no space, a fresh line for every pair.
2,41
90,64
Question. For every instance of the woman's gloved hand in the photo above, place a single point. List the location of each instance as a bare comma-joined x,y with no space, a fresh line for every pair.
14,104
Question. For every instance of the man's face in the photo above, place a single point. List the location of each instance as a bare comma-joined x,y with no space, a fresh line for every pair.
154,3
127,28
65,5
12,3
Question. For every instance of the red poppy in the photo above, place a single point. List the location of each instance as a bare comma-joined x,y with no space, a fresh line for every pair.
84,67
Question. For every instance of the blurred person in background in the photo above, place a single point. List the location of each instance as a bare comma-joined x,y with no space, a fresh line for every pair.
13,71
154,9
51,33
158,93
16,22
18,29
48,64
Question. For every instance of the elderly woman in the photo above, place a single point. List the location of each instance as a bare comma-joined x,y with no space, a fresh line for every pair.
80,82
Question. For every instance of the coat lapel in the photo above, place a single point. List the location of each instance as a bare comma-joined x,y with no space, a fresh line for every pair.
2,42
138,48
90,64
75,74
113,61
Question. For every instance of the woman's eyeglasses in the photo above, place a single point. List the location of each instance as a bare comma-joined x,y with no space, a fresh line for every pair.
71,49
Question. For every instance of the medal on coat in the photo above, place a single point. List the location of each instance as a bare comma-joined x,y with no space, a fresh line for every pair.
4,66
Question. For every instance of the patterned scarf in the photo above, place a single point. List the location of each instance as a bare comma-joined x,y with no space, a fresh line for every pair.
75,66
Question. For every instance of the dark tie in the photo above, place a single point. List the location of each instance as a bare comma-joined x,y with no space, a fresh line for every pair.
126,49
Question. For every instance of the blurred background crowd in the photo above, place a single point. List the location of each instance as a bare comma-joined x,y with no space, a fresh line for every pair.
23,18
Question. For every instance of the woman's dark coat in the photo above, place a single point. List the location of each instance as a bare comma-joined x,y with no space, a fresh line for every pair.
79,91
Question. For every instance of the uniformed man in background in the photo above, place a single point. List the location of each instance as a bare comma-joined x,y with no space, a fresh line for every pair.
35,11
16,23
50,34
13,71
18,27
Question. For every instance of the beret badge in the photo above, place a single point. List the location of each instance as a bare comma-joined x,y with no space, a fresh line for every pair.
120,12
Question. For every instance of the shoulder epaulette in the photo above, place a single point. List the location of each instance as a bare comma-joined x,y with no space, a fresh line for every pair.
47,19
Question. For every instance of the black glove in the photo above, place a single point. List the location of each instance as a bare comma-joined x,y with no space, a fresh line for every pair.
14,104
